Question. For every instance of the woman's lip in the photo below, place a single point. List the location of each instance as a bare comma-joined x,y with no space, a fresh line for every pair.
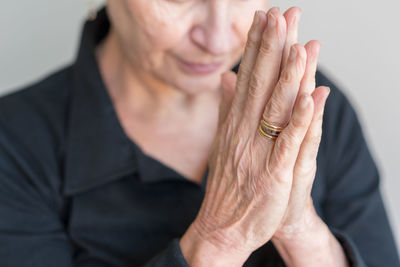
200,68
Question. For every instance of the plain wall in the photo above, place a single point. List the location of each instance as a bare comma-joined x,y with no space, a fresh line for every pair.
360,50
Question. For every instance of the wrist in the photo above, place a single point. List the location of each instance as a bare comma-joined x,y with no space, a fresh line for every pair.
310,228
315,247
311,239
199,251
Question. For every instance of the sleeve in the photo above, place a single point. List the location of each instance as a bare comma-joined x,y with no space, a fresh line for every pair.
353,207
170,256
31,233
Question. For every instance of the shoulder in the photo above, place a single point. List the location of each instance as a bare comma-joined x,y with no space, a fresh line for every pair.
32,131
38,109
44,98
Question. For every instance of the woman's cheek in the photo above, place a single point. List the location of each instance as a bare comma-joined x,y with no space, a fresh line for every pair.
162,37
160,31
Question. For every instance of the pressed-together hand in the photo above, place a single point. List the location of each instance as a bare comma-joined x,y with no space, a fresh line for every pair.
259,189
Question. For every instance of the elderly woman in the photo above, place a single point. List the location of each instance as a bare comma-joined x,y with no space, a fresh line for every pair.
157,148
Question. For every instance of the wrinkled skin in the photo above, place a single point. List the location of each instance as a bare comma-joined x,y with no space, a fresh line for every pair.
258,189
155,33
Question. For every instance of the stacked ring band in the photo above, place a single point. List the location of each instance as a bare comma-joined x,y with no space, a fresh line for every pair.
268,130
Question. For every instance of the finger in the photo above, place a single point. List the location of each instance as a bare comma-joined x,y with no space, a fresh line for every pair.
228,83
287,145
265,74
306,161
249,57
292,16
279,107
308,82
305,166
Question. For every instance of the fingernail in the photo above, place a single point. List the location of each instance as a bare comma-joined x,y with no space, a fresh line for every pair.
275,9
327,93
293,53
256,18
259,17
271,20
329,90
304,101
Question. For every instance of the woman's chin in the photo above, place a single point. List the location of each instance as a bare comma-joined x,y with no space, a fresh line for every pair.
194,84
197,86
210,82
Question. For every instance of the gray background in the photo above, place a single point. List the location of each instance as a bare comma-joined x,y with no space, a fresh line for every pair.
360,50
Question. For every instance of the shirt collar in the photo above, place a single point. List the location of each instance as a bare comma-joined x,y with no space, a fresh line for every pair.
98,151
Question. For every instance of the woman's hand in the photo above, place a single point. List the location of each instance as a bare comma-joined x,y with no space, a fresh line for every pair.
300,215
249,196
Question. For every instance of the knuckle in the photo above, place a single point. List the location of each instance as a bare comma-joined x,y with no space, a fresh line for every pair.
286,77
283,146
272,111
275,173
256,82
291,139
307,168
298,123
244,71
266,47
252,40
279,176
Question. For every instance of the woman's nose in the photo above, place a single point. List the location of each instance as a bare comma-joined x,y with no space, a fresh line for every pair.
215,34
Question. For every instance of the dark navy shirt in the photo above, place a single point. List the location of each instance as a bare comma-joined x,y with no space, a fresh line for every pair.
75,190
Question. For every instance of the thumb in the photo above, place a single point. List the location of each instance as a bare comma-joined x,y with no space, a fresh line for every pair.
228,86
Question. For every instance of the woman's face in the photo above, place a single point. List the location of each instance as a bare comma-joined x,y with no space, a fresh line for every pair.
157,36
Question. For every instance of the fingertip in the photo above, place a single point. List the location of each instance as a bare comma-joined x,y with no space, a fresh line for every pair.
224,75
298,12
319,92
282,21
320,96
327,92
327,89
228,73
262,16
274,10
293,14
317,44
313,46
282,27
229,78
293,9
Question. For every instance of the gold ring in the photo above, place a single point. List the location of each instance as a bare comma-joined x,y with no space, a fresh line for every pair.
269,130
